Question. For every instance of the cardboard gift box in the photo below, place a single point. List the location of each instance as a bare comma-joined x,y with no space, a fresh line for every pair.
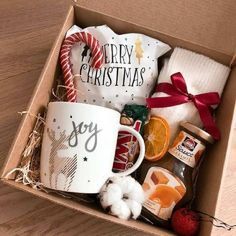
206,27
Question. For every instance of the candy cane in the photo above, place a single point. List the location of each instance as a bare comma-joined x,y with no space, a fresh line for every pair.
97,59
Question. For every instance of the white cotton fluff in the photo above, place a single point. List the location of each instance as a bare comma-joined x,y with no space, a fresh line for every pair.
137,194
134,207
111,194
124,196
126,183
121,210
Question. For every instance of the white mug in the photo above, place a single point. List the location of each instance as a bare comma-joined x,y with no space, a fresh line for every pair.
78,147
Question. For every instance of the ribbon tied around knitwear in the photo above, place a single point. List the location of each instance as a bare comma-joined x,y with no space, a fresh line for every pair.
179,95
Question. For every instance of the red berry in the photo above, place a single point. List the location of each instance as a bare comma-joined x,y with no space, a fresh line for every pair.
185,222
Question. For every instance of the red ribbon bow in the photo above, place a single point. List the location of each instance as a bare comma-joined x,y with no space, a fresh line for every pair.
179,94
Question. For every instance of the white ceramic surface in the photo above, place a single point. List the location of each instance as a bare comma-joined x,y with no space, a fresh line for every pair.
78,147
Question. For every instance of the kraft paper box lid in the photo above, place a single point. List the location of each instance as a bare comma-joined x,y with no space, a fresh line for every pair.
208,23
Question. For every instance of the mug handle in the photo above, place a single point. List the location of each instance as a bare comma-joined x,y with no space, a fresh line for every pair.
141,153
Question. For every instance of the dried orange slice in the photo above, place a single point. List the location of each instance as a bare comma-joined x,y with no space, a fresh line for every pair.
156,138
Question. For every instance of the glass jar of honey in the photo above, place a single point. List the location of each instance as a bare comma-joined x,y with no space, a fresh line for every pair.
169,183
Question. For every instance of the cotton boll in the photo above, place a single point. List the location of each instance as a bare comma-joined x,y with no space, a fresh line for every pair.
137,193
114,179
121,210
104,187
134,207
114,189
106,200
111,195
126,183
123,195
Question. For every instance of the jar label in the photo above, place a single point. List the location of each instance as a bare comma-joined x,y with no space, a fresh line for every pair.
187,149
163,191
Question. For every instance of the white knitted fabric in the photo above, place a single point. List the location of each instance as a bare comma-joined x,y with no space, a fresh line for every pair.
201,75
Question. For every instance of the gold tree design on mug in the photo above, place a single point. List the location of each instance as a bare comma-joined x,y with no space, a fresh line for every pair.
60,165
138,50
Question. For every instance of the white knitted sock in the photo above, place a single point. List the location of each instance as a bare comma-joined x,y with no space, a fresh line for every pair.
201,75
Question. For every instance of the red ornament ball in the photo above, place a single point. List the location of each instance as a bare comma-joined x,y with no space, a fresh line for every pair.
185,222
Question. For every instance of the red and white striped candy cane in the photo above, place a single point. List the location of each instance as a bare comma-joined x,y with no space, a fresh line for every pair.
97,59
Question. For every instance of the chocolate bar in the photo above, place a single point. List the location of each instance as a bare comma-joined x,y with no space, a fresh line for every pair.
127,148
